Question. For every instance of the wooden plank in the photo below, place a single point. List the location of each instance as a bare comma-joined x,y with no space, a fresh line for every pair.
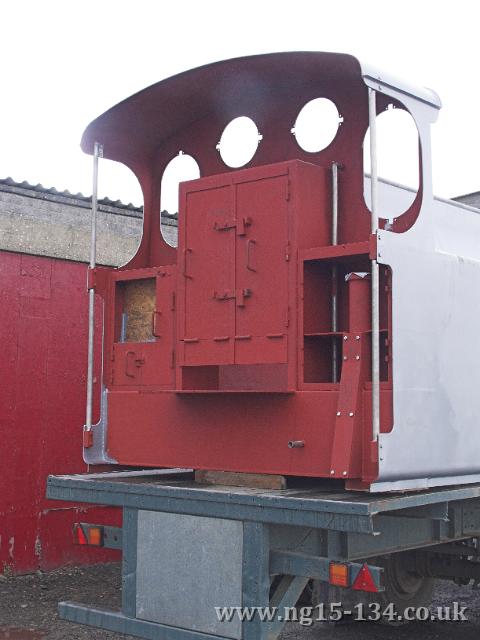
235,479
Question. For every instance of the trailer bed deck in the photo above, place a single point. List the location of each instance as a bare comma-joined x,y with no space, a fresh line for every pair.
307,503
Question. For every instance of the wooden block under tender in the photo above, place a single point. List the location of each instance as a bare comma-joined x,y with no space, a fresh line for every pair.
234,479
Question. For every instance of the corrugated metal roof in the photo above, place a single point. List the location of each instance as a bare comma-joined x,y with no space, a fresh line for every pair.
38,190
473,199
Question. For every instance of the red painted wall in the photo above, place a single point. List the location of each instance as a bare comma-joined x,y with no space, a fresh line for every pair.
43,346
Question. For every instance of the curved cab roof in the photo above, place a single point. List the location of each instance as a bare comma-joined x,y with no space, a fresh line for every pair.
138,125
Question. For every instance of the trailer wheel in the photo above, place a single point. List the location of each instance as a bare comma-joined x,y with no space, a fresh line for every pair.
403,589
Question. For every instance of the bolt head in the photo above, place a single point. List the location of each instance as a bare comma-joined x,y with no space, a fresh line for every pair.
345,337
344,473
357,357
357,337
345,358
339,413
351,414
332,472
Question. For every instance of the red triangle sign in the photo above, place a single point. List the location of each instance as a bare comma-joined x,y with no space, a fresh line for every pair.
81,537
364,581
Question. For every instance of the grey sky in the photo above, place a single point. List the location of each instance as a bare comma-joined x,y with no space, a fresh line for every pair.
65,62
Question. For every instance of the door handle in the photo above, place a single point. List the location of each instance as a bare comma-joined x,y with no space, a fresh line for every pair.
250,245
185,263
155,324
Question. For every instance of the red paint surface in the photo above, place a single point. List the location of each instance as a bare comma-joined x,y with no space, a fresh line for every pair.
42,405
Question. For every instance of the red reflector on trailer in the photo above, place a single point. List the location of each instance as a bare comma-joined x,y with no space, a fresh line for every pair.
79,536
339,575
95,537
364,581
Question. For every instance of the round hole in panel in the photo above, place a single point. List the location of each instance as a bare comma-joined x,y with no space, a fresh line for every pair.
180,168
239,142
316,125
398,167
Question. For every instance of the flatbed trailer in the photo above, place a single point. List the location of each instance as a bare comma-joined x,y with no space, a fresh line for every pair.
191,550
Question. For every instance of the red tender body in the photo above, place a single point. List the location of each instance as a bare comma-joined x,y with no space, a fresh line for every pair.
238,360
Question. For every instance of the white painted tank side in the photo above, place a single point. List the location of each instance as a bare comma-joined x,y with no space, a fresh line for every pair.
435,348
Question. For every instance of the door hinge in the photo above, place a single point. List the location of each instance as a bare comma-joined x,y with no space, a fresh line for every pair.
112,369
288,192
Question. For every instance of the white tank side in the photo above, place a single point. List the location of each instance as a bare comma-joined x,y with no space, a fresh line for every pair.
435,348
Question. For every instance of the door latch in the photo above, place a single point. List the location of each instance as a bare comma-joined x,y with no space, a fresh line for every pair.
240,225
228,294
238,294
132,363
241,295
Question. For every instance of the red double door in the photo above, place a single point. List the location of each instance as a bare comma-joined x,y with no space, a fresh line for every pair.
235,248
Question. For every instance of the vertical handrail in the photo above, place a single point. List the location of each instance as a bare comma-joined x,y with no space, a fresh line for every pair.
372,118
334,240
97,153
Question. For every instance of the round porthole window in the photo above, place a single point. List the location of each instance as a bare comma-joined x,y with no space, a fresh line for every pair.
316,125
239,142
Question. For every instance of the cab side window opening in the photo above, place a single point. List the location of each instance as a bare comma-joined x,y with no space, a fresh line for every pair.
180,168
118,187
397,162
